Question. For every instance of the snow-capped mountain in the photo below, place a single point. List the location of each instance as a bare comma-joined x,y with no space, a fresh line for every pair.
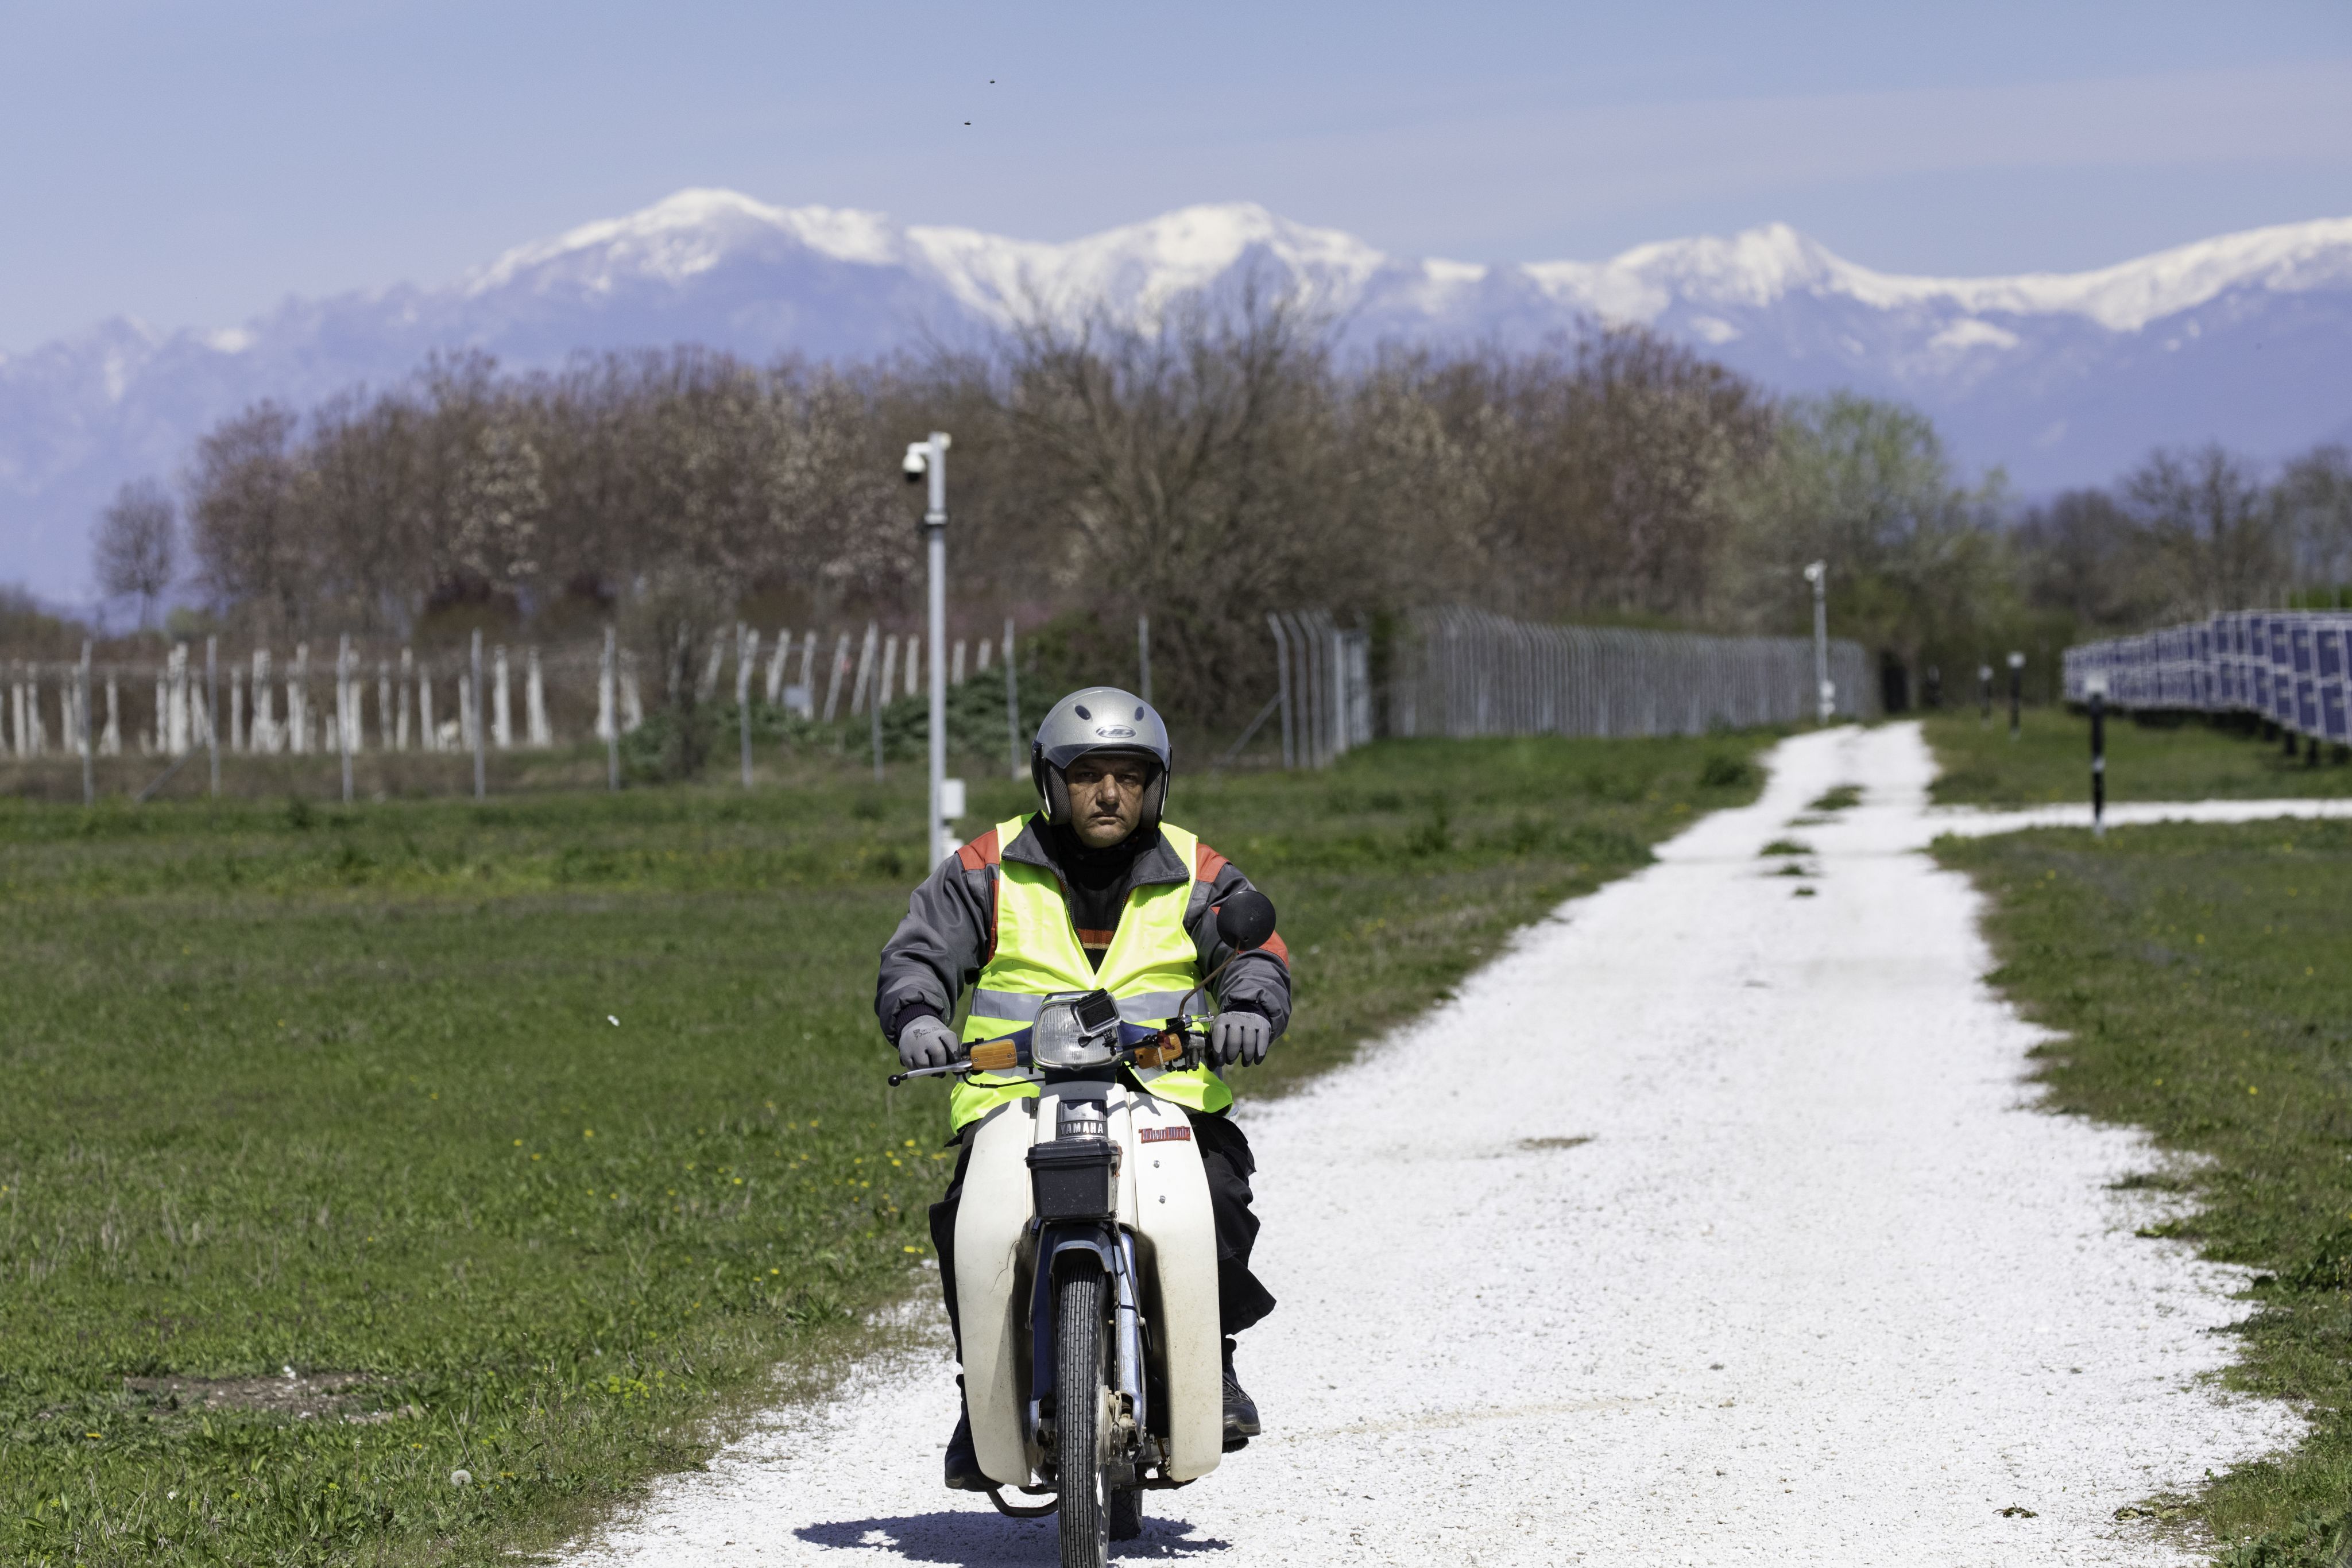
2062,378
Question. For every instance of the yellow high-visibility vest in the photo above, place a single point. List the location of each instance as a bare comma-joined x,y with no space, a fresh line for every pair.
1149,967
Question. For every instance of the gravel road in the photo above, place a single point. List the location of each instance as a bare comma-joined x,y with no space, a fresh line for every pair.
1709,1224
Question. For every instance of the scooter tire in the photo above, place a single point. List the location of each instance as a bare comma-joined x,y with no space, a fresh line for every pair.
1085,1510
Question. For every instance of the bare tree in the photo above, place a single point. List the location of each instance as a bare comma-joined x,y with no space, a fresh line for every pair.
2223,543
2313,497
137,547
2084,555
1193,467
257,543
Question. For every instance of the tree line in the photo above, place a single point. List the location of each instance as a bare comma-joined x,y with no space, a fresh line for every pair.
1204,469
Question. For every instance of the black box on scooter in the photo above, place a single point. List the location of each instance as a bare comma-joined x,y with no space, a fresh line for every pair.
1074,1178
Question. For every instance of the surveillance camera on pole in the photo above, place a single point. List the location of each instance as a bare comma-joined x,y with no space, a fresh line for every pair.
1818,574
929,460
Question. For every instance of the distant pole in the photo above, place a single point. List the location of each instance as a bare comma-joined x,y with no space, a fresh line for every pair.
212,707
1143,653
1825,693
1984,696
1282,684
2097,687
2016,695
343,702
611,677
1011,700
874,721
89,780
481,770
745,653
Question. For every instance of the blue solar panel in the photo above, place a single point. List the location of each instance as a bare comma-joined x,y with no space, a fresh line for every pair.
2292,667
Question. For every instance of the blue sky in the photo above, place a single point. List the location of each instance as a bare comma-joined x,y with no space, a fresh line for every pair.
192,164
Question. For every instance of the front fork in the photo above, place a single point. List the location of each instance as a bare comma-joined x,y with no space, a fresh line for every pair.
1112,1250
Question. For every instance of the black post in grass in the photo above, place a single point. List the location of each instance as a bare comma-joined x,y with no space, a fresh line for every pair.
2096,689
2016,694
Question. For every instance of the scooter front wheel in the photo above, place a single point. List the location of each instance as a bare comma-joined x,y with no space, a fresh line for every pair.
1077,1420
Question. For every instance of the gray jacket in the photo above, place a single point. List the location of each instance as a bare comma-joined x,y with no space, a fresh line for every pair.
950,930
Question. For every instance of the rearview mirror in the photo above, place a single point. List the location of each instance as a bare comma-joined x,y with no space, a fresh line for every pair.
1245,920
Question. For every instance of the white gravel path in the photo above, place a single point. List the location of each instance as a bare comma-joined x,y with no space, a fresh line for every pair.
1821,1288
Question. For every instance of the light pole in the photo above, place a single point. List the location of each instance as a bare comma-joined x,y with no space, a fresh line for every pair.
929,459
1984,696
1818,574
2016,695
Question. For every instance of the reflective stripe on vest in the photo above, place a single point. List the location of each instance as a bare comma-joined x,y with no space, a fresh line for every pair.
1150,967
1153,1007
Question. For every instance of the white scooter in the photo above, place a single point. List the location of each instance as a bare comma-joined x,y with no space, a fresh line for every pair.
1087,1267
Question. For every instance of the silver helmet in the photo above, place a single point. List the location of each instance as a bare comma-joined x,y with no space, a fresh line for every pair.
1096,721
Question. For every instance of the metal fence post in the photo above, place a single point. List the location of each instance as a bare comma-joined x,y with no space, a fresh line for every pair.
1282,687
481,766
1013,704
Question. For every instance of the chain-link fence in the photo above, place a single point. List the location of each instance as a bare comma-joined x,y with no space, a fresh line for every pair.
1465,673
1470,673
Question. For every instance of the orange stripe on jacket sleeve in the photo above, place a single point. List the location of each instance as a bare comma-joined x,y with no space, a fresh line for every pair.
1207,862
1277,947
981,852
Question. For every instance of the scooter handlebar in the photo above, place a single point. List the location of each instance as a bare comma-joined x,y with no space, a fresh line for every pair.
1174,1047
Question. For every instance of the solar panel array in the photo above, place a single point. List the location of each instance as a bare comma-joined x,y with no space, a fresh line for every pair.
2289,666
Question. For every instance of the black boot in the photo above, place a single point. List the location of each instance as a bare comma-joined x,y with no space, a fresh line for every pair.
1241,1410
964,1471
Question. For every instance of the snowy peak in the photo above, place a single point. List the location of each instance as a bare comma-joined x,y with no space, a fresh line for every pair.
2065,378
684,235
1139,269
1763,266
1142,267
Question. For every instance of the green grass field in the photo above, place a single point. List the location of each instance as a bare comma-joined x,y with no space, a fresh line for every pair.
2050,761
2198,974
341,1150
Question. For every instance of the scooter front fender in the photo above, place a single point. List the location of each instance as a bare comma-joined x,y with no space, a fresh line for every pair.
1164,1198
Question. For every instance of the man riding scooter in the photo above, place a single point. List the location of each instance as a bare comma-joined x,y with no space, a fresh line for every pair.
1094,890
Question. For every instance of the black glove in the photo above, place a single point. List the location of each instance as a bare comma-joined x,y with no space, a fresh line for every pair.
1240,1037
926,1042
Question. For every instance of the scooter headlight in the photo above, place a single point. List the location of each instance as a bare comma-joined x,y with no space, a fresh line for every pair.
1075,1031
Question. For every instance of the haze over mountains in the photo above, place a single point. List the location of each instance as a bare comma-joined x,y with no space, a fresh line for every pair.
2062,379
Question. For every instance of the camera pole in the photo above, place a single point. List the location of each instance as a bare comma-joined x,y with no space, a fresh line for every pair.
929,459
1818,574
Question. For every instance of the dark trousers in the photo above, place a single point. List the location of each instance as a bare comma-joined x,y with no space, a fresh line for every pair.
1225,1155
